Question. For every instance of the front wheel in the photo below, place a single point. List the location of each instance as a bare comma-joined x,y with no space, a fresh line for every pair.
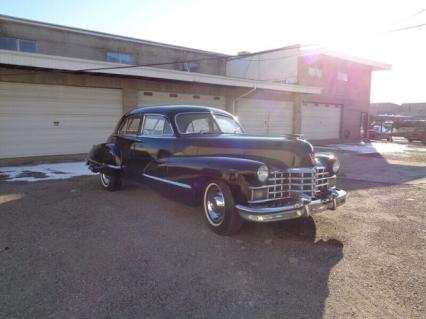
219,209
110,182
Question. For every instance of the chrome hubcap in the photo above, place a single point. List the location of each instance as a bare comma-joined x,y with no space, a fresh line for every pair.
214,202
105,179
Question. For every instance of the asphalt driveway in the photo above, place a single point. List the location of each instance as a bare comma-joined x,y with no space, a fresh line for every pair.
70,250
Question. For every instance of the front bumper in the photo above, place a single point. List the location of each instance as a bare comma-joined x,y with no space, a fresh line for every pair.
303,208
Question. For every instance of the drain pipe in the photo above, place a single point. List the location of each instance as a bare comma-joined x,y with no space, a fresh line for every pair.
234,102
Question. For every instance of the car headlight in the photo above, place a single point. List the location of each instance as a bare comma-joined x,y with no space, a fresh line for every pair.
336,166
263,173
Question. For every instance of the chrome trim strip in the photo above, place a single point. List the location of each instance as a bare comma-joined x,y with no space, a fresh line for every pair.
260,201
168,181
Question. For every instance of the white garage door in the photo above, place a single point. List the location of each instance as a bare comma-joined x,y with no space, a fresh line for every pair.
149,98
265,117
54,120
321,121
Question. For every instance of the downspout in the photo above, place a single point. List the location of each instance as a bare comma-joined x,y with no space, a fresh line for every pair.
234,102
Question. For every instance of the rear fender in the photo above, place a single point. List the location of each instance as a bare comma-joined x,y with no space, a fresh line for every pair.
105,158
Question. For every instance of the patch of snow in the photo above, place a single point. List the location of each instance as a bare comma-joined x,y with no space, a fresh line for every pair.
44,172
369,148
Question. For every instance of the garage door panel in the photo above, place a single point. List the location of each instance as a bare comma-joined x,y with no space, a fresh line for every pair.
80,121
51,119
17,106
35,91
265,117
321,121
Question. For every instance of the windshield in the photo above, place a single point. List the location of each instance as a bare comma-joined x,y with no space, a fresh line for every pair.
228,124
205,123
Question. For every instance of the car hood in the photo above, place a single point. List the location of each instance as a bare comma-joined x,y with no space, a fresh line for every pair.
273,151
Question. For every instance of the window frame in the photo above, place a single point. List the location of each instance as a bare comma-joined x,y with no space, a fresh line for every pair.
190,67
172,134
18,44
119,56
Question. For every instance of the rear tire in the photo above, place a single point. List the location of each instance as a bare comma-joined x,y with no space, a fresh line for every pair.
110,183
219,209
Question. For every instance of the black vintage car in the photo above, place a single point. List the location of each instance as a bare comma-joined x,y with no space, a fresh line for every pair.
202,153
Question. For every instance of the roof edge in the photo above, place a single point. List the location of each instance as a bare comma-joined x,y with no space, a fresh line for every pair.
377,66
104,34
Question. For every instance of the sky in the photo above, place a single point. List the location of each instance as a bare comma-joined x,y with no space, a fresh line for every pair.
355,27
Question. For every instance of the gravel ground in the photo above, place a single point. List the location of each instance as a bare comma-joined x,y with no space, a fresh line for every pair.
70,250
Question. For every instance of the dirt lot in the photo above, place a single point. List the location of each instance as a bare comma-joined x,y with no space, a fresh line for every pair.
70,250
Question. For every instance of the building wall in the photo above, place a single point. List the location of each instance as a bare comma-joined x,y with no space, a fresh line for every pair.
416,110
283,65
385,108
287,66
353,94
277,65
66,43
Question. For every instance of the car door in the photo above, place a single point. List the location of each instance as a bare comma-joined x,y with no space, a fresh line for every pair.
126,137
154,145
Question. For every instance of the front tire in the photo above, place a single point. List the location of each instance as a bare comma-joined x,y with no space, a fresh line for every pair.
110,183
219,209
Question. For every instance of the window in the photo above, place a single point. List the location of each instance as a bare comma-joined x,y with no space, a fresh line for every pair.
120,58
14,44
130,126
228,125
205,123
342,76
133,126
315,72
196,123
156,125
200,126
190,67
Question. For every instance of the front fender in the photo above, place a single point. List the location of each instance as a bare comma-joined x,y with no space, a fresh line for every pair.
105,158
197,171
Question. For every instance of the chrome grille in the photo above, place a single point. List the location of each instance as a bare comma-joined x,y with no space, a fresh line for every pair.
294,182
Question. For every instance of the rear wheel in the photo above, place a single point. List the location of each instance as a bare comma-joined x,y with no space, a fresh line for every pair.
219,209
110,182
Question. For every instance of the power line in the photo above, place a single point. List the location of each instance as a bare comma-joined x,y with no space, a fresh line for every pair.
415,14
406,28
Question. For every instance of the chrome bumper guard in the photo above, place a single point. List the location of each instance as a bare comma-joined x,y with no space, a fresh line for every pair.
303,208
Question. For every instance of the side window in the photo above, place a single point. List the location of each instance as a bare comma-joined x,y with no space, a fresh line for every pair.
133,126
156,125
130,126
123,126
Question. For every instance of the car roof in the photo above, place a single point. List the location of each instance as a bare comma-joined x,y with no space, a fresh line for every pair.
173,109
